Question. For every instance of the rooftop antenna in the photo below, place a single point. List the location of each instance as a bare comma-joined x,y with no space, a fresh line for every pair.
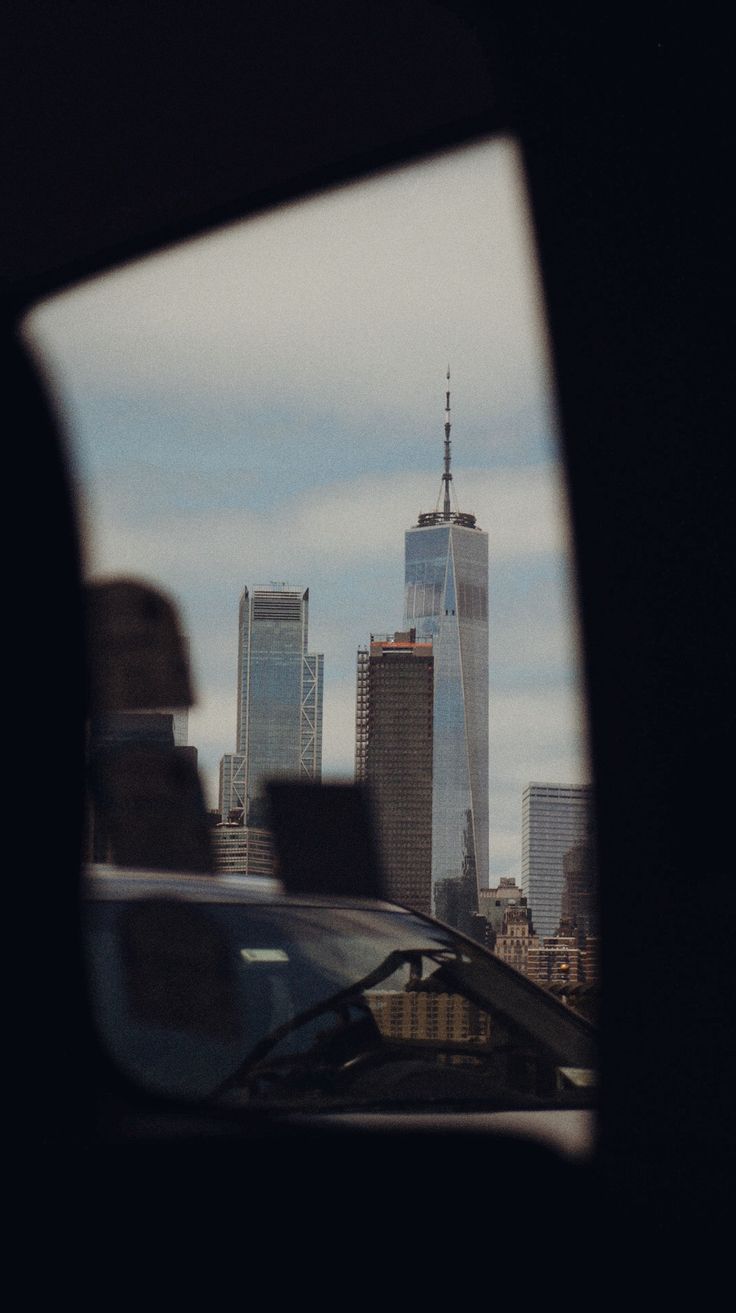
447,477
446,515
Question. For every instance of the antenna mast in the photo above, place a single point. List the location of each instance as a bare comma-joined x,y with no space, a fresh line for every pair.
447,477
446,515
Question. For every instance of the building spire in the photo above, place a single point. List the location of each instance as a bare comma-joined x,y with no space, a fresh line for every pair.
447,477
446,515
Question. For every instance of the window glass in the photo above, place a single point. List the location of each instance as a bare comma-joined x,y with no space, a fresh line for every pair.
266,409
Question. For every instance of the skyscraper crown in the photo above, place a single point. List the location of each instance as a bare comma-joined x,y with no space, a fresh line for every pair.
446,515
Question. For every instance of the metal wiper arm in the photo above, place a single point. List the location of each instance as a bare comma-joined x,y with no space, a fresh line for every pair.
386,968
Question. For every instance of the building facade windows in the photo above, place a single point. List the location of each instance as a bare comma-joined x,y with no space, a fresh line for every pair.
446,601
555,817
279,701
393,758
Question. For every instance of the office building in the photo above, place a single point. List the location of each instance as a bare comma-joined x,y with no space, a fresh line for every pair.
393,757
579,890
242,850
279,701
446,601
492,904
554,817
516,937
232,788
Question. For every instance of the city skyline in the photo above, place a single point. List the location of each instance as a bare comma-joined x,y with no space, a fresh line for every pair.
263,404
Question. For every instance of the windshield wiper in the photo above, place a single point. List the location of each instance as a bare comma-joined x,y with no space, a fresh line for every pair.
338,1003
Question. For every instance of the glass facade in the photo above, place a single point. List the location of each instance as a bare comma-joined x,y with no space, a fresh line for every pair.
232,786
554,818
279,708
446,599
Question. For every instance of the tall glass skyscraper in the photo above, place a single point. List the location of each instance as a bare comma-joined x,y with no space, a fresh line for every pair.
554,817
279,701
446,599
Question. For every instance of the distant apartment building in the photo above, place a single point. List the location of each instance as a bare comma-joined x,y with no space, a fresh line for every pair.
554,818
426,1014
393,758
556,960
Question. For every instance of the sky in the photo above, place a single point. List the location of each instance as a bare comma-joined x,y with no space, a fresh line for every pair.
265,403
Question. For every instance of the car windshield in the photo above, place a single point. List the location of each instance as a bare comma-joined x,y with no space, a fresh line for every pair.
305,1005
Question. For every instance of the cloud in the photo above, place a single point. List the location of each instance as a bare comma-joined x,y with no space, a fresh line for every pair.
351,559
532,646
505,853
531,727
535,737
345,543
347,302
339,730
266,403
352,524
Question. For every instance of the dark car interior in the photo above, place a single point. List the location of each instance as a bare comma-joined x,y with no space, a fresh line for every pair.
129,127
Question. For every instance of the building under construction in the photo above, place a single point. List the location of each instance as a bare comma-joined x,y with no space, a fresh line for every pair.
393,758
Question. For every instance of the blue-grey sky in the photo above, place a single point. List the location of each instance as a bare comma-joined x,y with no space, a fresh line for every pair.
266,403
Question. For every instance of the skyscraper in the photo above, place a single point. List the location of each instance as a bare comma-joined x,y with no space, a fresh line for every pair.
393,757
242,850
579,893
553,818
279,701
446,600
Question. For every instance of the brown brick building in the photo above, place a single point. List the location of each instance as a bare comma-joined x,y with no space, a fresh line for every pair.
393,757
